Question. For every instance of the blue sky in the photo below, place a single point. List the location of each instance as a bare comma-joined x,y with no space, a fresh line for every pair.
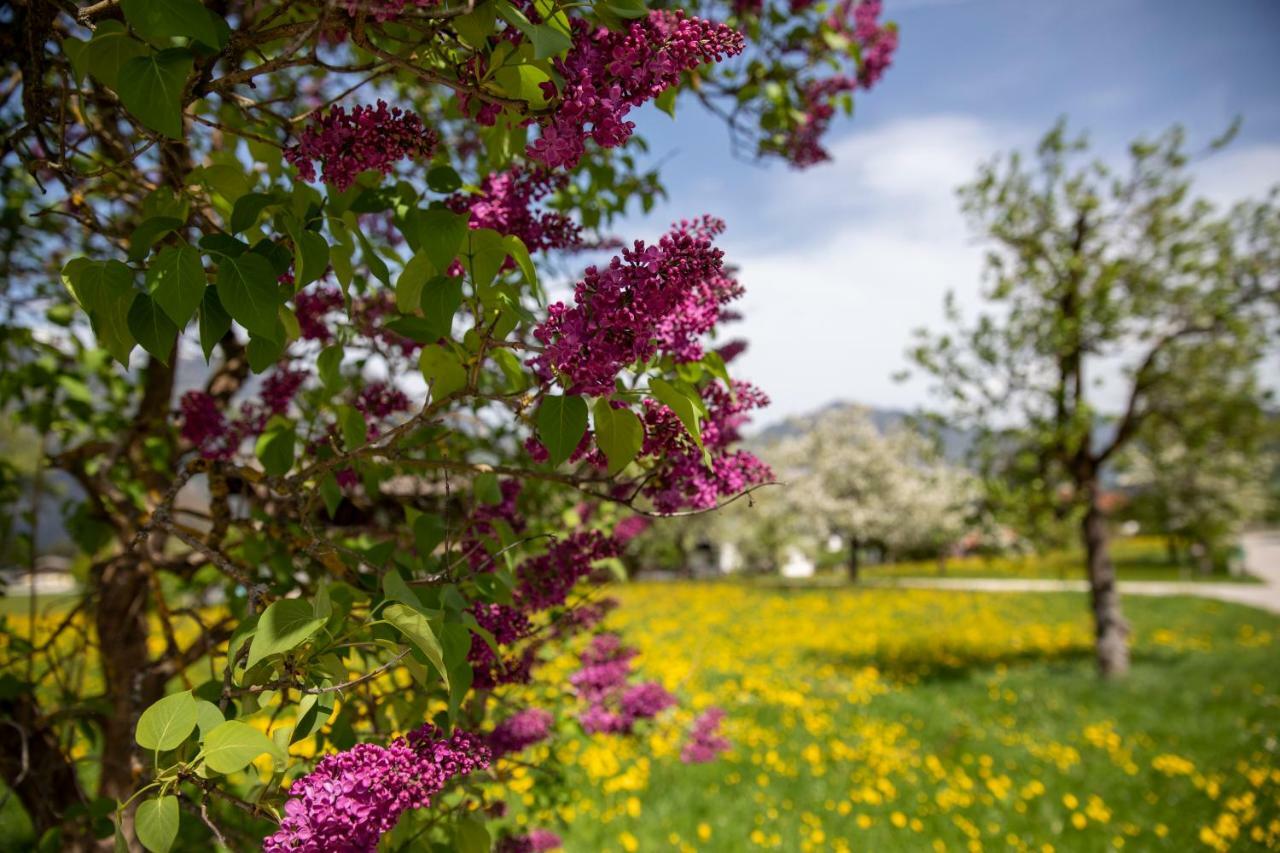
843,260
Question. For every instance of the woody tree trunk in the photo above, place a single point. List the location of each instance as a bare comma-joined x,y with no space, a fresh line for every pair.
1111,632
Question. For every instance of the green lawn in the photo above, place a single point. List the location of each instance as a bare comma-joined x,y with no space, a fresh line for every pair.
1137,558
918,720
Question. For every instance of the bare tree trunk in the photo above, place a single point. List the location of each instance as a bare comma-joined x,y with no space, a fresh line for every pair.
1110,629
853,559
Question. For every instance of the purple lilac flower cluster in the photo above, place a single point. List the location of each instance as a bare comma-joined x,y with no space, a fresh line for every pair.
351,798
533,841
607,73
385,10
520,731
858,21
215,437
507,625
506,203
648,299
613,705
705,741
315,309
367,138
544,581
681,478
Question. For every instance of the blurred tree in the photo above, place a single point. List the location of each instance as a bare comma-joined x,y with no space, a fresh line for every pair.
892,489
1199,474
1090,266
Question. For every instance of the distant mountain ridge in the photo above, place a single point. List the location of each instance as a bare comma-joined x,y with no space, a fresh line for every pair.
955,442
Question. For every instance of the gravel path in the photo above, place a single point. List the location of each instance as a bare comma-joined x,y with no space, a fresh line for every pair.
1262,559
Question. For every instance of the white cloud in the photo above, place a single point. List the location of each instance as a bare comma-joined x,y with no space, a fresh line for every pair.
830,318
829,315
1238,173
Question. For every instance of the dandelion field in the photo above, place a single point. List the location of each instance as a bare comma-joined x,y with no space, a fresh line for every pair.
914,720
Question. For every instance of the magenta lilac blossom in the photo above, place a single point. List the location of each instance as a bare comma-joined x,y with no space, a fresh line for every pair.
352,798
367,138
607,73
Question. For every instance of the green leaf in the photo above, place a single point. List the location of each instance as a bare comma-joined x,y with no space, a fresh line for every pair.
685,408
167,723
395,589
108,51
275,446
283,626
208,717
487,489
151,327
247,289
428,533
415,626
146,234
232,745
311,258
443,231
470,836
512,369
163,19
105,290
626,8
561,421
520,254
444,180
247,209
150,87
355,432
176,280
619,434
441,298
549,41
264,353
156,823
215,322
329,366
476,26
314,711
667,100
487,252
411,281
443,370
372,260
524,82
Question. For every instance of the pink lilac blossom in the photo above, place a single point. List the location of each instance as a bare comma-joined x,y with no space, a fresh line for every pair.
613,706
506,203
858,21
384,10
312,307
583,617
648,299
630,527
520,731
705,741
645,700
732,349
804,144
215,437
878,42
367,138
544,581
507,625
606,665
381,400
607,73
534,841
352,798
681,479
